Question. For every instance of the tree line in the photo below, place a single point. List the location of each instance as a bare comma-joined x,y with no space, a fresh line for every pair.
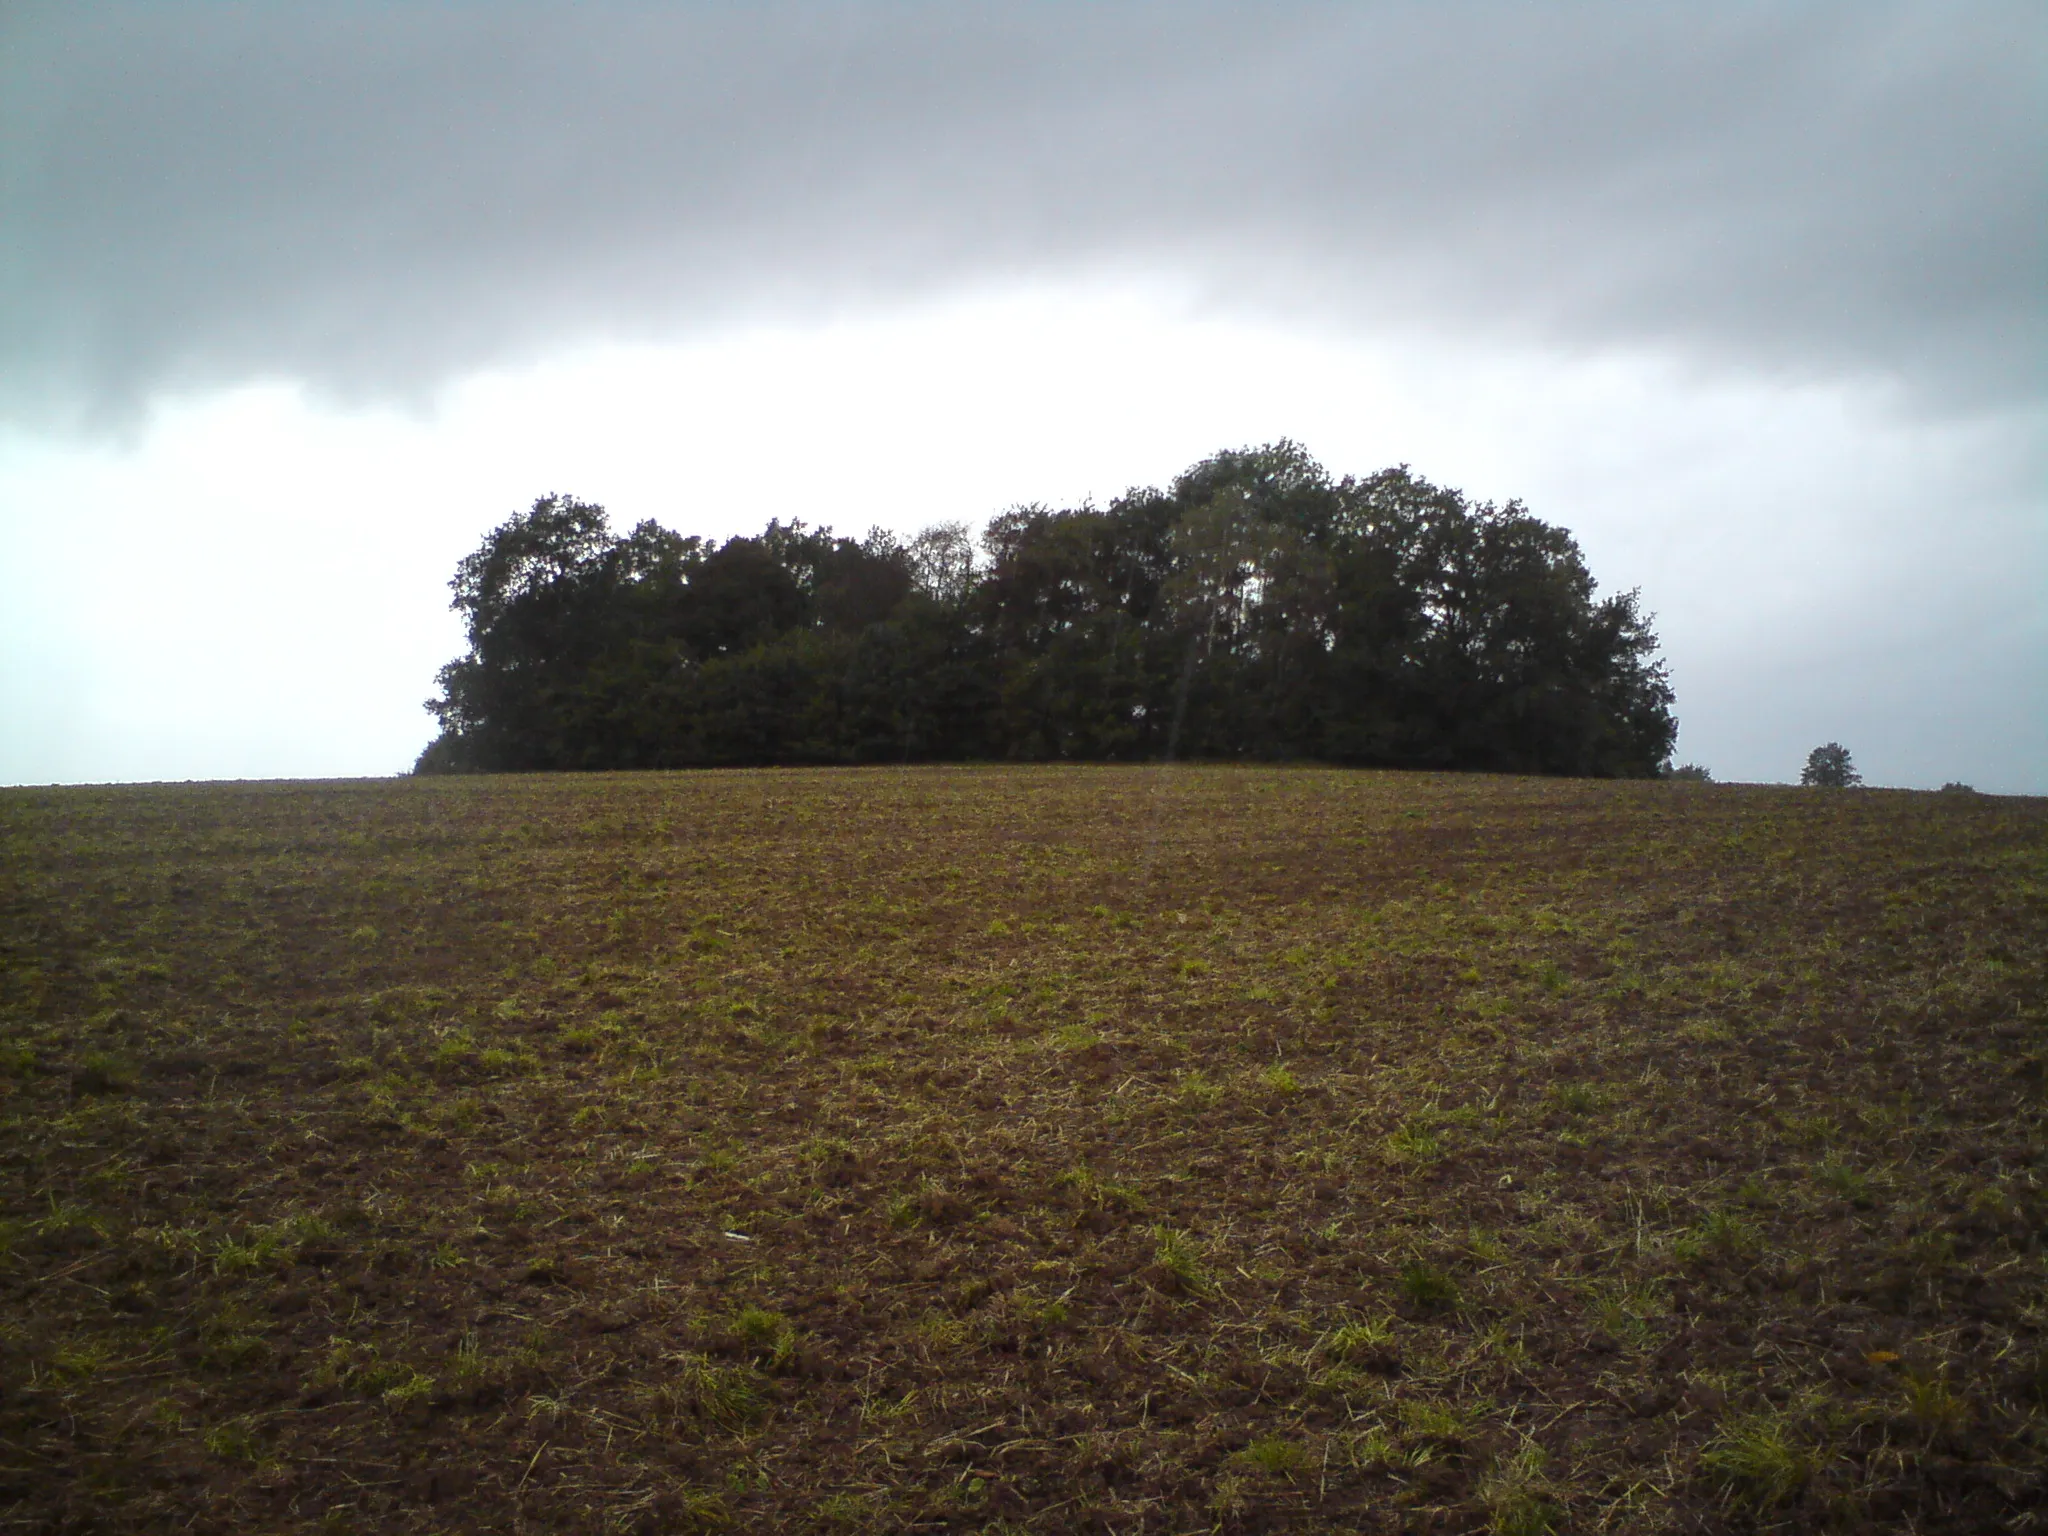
1254,609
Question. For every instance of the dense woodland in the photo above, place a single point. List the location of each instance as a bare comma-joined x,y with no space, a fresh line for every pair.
1256,609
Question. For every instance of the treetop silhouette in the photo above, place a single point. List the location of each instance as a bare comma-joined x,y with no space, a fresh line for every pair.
1254,609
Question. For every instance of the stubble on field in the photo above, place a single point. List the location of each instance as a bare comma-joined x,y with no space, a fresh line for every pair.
1134,1149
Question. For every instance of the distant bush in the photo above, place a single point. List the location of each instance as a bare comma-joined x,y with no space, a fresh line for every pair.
1957,787
1691,773
1829,767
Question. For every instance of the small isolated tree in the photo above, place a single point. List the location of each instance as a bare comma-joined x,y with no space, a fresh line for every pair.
1690,773
1829,767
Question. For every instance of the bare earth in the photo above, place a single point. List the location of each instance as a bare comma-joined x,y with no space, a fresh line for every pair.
1047,1149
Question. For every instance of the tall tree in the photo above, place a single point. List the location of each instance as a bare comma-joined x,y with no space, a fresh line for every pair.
1829,767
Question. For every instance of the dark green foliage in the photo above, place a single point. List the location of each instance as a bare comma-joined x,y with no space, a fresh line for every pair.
1256,609
1829,767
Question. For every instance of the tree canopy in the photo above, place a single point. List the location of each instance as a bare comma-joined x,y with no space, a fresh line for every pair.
1256,608
1830,767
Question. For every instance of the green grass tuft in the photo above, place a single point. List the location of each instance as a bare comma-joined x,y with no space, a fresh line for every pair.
1756,1461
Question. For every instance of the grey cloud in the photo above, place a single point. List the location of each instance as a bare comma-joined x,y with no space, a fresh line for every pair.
375,198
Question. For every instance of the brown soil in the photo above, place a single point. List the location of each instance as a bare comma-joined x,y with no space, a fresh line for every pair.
1112,1149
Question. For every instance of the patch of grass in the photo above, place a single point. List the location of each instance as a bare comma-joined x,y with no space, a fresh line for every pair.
277,1244
233,1441
1427,1288
231,1342
1845,1183
1577,1098
728,1397
1368,1345
1413,1144
65,1226
1277,1079
76,1362
262,1251
1625,1311
928,1204
1276,1456
359,1367
1487,1247
1350,1340
1431,1420
1177,1263
1720,1234
455,1051
1756,1461
410,1388
1517,1495
1933,1405
769,1335
1089,1188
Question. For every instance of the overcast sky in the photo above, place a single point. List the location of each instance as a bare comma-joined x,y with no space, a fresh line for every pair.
297,302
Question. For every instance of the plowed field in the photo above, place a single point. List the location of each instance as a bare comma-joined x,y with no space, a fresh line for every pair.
1117,1149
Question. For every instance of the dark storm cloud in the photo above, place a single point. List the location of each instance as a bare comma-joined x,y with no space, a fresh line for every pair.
374,198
